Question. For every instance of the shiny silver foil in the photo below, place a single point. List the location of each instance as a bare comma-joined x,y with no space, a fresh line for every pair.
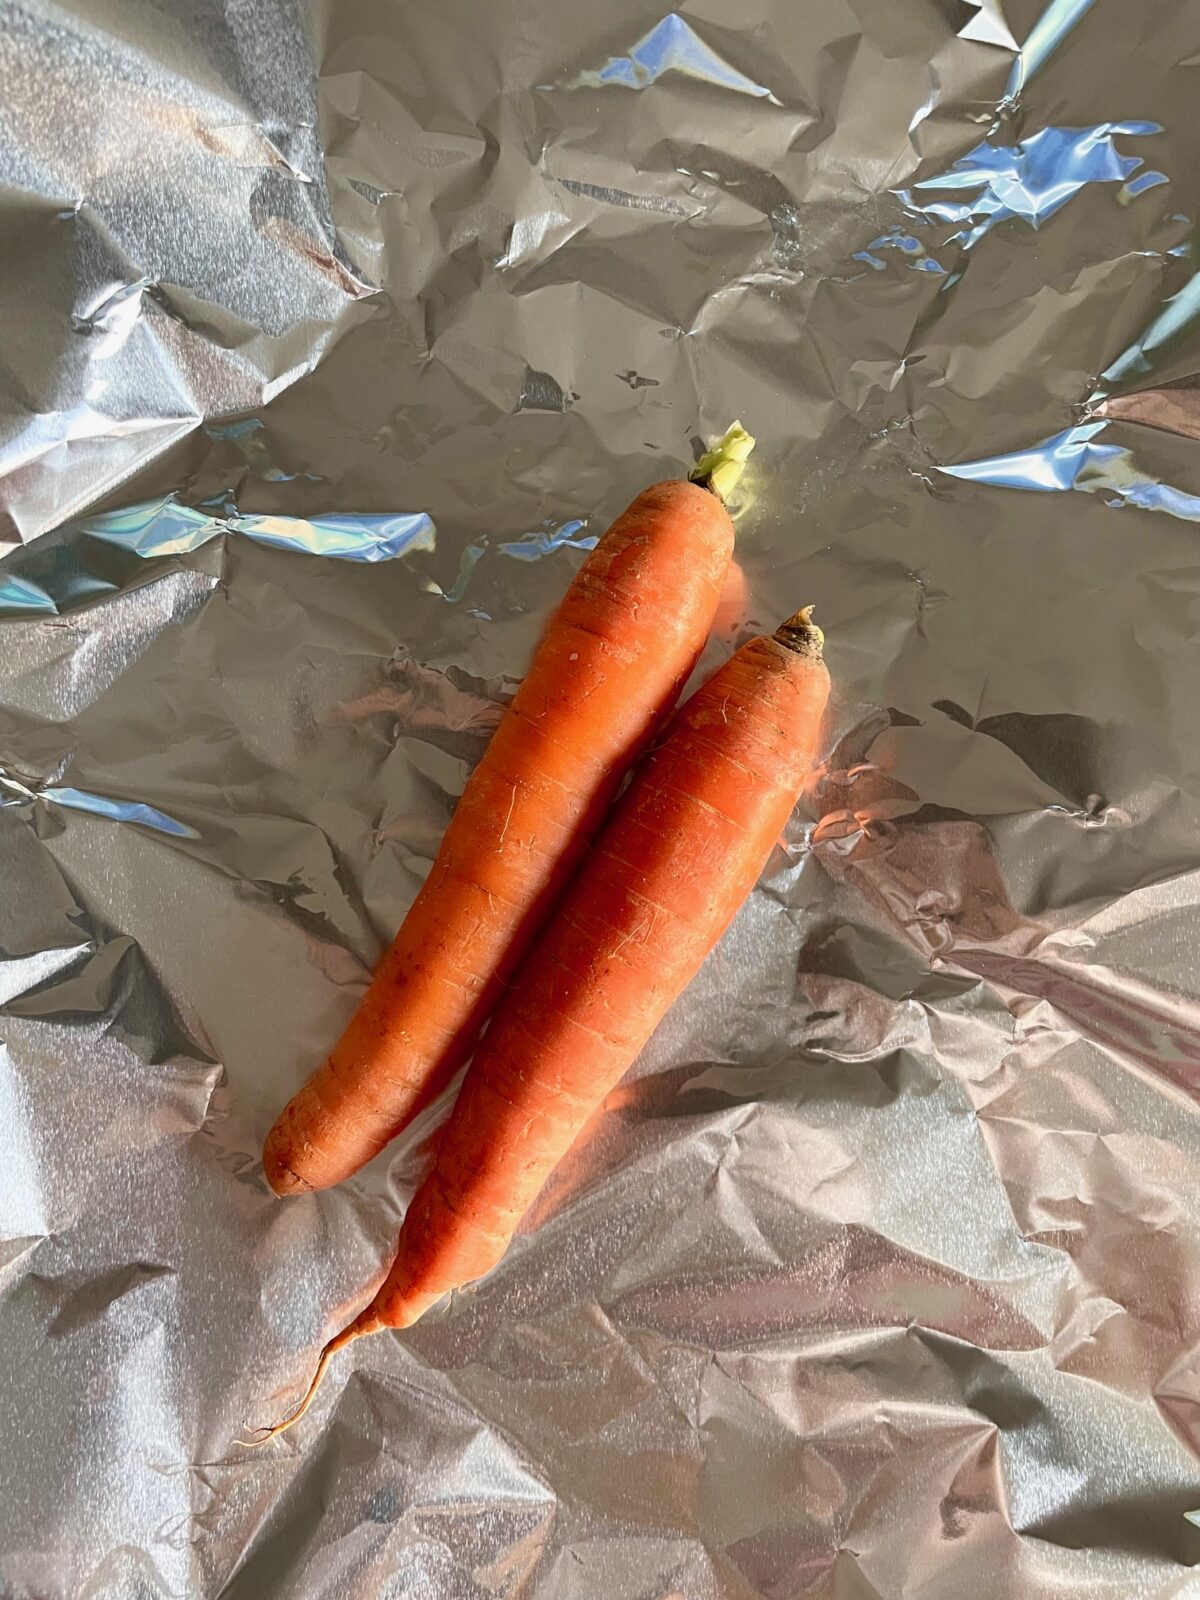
330,338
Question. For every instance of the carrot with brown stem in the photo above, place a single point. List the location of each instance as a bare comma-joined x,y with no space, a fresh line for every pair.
683,849
611,663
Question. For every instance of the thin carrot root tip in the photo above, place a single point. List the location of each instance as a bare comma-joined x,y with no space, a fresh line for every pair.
260,1435
720,468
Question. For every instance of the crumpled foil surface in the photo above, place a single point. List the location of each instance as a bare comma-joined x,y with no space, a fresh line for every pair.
330,338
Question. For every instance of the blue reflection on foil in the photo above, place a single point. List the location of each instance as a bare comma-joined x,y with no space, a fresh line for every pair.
1176,314
1074,460
365,537
119,810
1031,180
19,596
545,541
471,556
241,428
907,246
1044,38
164,527
672,45
1149,179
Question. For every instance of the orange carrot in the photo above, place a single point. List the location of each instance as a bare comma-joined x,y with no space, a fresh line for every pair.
732,606
612,661
681,852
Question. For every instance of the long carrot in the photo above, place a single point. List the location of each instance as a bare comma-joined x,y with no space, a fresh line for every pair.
609,667
683,849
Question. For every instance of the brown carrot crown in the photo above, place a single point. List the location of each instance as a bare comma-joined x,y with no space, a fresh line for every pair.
800,633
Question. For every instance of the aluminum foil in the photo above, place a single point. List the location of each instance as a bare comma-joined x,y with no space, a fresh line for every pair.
330,338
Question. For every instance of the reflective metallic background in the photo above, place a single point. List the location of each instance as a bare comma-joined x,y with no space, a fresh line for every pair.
328,340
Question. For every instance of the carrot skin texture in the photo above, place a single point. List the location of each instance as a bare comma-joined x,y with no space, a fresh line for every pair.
612,661
683,849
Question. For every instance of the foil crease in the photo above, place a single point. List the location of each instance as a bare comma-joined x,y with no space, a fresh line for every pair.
332,336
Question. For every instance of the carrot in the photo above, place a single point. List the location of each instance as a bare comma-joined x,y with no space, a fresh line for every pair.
615,655
732,606
682,851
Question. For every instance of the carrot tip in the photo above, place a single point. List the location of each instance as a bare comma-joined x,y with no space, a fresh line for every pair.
283,1179
284,1182
254,1437
720,468
800,633
260,1435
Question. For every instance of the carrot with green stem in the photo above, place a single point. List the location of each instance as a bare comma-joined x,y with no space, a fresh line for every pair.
683,849
611,663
